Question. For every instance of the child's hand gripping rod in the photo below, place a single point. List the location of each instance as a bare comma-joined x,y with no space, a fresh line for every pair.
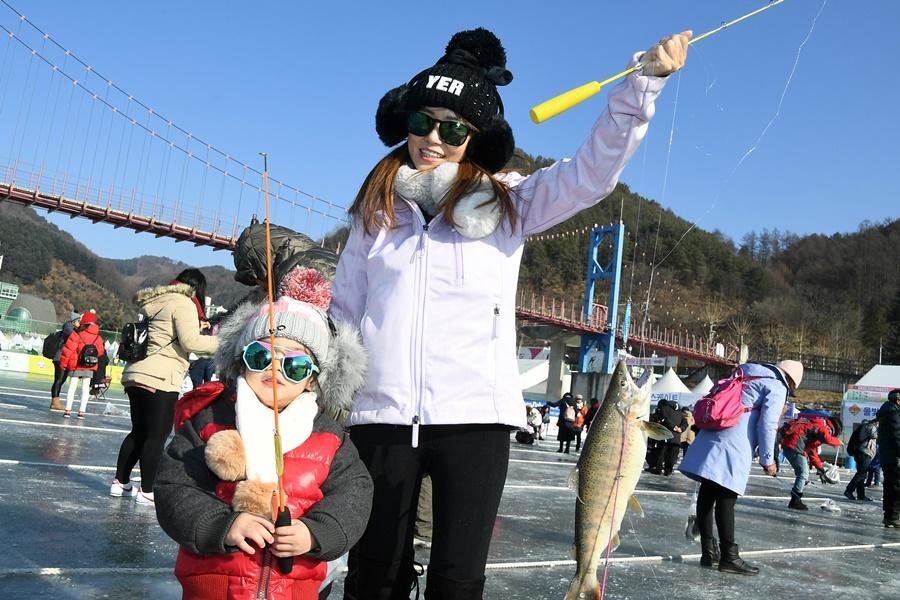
283,519
566,100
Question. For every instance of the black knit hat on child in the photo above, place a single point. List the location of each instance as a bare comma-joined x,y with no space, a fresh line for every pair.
465,81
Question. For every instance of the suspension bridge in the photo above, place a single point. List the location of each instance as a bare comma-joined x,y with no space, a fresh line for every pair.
81,145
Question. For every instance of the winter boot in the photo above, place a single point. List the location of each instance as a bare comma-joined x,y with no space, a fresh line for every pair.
731,562
55,404
709,556
796,502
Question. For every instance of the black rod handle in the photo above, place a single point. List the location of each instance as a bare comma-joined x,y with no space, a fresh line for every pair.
285,563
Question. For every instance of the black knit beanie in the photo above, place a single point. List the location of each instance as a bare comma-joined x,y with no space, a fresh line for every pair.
465,81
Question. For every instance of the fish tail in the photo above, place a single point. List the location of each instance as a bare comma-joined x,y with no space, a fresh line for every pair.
584,586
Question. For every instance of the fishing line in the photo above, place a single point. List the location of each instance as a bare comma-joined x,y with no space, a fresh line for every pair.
759,139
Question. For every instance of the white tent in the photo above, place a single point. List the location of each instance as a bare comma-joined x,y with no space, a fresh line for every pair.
533,379
670,383
863,399
703,387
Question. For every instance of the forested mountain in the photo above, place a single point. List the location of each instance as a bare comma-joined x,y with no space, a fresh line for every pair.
46,261
836,295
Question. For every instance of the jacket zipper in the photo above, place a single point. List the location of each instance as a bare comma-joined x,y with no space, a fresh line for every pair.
460,265
262,587
423,295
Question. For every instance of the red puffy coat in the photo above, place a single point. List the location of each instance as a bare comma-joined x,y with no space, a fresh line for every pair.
239,575
806,435
84,335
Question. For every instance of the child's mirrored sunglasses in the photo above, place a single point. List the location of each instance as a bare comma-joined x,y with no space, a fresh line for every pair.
296,366
453,133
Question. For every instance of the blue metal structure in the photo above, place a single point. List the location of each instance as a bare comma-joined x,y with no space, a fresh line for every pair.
602,347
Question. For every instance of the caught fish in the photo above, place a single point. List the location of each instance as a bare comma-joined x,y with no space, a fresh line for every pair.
607,472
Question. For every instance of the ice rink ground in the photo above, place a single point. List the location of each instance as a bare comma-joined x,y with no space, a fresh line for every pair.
64,537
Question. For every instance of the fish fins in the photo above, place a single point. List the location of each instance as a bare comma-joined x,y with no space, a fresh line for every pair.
656,431
635,506
572,481
614,544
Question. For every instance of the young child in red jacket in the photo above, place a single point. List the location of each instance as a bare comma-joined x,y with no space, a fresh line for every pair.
216,481
80,364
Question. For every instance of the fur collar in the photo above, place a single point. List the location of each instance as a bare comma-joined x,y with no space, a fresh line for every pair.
474,219
145,295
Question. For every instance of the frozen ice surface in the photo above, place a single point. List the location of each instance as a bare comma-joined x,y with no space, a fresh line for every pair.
66,538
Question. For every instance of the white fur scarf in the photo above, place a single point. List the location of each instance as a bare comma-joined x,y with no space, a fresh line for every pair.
255,423
429,188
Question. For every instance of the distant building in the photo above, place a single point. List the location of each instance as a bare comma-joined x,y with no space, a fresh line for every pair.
30,313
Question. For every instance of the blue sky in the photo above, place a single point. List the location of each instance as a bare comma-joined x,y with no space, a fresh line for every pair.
302,80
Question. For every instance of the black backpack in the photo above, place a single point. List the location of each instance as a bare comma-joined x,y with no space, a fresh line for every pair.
51,345
89,356
135,340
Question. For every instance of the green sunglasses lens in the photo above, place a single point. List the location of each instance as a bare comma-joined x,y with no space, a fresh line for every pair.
257,357
297,368
453,132
450,132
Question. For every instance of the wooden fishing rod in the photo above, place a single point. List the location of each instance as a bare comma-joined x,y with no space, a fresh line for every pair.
554,106
283,518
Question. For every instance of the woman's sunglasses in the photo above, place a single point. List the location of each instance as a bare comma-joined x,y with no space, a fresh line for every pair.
296,366
453,133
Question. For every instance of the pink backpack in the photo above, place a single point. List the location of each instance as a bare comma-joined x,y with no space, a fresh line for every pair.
722,408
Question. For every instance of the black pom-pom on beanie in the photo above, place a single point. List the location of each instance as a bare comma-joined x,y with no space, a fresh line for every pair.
465,81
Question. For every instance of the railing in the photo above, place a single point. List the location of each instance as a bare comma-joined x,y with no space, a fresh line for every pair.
569,315
815,362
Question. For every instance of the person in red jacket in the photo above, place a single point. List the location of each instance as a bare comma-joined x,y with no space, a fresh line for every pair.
80,361
802,438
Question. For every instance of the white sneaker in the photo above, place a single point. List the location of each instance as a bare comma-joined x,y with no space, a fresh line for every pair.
118,490
145,498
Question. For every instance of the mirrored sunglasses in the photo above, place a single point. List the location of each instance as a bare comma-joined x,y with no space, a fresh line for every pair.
453,133
296,366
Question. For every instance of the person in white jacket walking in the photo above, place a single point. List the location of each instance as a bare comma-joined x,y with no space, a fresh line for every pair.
429,275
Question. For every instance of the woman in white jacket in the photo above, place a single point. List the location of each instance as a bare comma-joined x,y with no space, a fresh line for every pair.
429,274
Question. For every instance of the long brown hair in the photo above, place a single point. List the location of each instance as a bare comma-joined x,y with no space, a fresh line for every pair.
374,202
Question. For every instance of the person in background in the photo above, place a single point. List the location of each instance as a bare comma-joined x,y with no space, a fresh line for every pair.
202,368
565,423
591,413
665,453
59,373
580,416
545,420
153,384
863,454
720,460
81,363
687,437
800,444
889,452
873,475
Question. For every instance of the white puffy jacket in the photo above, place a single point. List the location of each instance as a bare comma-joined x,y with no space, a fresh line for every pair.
437,310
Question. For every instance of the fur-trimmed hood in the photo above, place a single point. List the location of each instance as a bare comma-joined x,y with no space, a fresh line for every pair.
342,371
145,295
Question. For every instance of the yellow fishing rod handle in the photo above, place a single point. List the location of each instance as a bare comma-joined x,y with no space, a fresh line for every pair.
552,107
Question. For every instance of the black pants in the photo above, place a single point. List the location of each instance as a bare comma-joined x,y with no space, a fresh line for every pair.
152,414
713,498
664,457
857,484
59,378
467,465
891,483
